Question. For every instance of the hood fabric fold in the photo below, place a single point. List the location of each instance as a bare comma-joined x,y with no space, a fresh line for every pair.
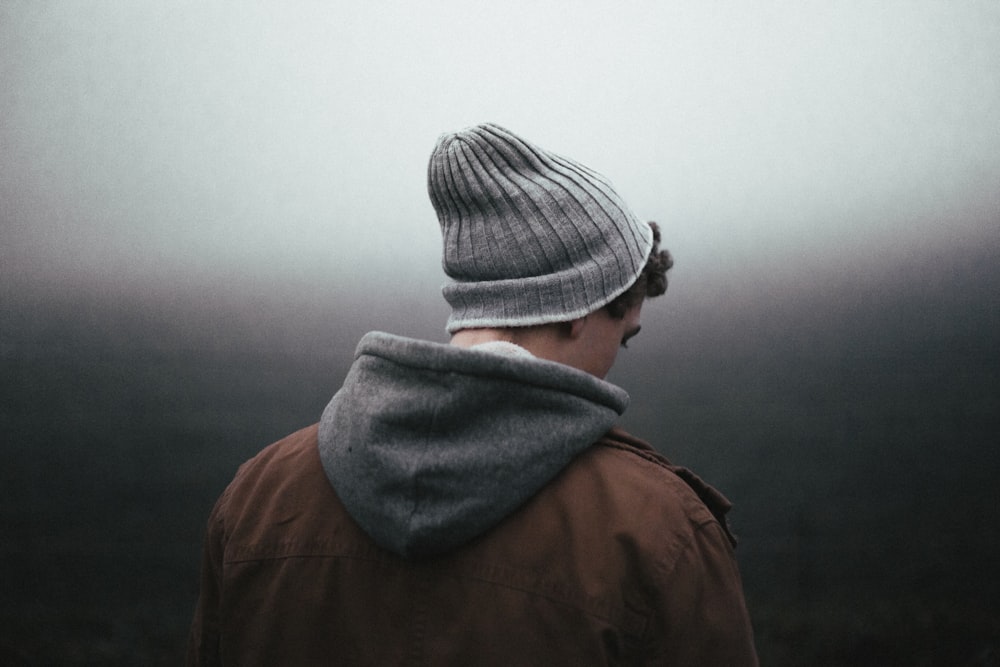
430,445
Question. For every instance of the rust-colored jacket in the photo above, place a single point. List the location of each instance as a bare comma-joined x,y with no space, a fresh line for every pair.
452,508
617,561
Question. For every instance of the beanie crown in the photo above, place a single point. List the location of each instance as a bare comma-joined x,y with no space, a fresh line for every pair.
529,237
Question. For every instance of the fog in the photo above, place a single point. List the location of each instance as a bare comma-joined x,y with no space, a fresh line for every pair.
287,143
203,206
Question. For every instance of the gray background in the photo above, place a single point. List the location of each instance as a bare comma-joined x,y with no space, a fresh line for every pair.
204,205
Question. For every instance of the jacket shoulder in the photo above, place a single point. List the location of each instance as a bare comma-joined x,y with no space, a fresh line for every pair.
633,452
279,463
278,499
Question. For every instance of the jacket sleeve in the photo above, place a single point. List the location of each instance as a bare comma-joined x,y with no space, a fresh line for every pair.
204,638
703,618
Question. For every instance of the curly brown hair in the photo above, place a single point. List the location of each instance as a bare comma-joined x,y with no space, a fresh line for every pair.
652,281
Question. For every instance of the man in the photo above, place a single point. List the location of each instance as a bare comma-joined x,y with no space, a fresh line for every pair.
472,503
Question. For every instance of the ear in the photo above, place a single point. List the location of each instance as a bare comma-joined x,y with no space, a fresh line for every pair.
577,326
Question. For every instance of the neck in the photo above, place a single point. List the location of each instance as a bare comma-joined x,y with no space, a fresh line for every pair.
470,337
545,341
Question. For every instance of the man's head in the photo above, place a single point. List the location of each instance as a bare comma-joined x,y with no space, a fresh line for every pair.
533,239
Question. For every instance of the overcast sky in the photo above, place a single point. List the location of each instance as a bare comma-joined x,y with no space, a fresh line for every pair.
159,140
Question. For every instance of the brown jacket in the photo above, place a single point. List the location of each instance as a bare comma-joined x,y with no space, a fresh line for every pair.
621,560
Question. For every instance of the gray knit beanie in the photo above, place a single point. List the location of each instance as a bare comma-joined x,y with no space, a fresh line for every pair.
529,237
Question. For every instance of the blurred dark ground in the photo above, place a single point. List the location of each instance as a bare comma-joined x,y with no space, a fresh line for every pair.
854,423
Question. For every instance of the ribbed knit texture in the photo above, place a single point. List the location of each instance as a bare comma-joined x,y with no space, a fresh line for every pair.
529,236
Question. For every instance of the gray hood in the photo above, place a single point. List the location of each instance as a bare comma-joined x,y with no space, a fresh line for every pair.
430,445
